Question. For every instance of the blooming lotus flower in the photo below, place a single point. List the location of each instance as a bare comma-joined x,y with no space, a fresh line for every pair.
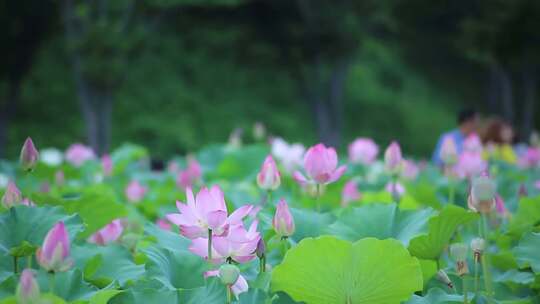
409,170
135,191
537,184
290,156
78,154
52,157
392,158
107,164
482,194
397,187
204,212
12,196
28,288
472,144
237,244
192,174
164,224
107,234
320,164
29,155
269,177
363,151
349,193
470,164
54,253
448,152
237,288
283,222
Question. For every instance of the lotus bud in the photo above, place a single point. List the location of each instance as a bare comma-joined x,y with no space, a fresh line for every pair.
393,158
228,274
478,245
522,192
349,193
443,277
448,153
259,131
283,221
269,177
28,288
59,178
12,196
458,252
261,248
53,255
482,196
107,165
29,155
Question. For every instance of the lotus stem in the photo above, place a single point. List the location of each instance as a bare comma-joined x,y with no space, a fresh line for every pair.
464,290
15,264
210,245
229,295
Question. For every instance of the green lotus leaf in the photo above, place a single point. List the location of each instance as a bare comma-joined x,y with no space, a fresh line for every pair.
528,251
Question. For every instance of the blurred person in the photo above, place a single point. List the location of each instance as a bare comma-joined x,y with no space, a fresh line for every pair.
498,137
467,120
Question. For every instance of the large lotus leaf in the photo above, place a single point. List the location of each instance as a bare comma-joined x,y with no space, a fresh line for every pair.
104,264
213,292
514,276
125,155
436,295
241,164
97,206
528,251
527,215
441,229
31,224
328,270
167,239
144,292
309,223
69,285
380,221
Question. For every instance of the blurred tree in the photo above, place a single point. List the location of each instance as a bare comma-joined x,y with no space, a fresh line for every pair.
25,24
101,36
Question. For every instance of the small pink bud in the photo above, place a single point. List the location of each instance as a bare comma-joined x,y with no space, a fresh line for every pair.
164,224
269,176
28,288
77,154
54,253
135,191
363,151
320,164
283,221
107,234
393,158
107,165
349,193
261,248
12,196
29,155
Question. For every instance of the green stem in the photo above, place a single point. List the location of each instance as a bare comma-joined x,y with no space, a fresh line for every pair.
15,264
395,195
210,245
262,264
51,282
485,263
451,192
318,194
464,290
29,261
476,277
268,197
229,294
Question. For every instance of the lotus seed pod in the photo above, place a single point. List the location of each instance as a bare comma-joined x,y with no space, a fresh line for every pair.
459,251
483,189
478,245
228,274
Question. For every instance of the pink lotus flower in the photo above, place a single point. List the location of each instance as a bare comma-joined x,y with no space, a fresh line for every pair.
107,234
290,155
59,177
192,174
500,206
12,196
473,144
349,193
320,164
283,221
237,288
449,154
363,151
29,155
206,211
269,177
173,167
397,187
164,224
237,244
28,288
135,191
27,202
54,253
470,164
531,158
392,158
107,164
78,154
409,170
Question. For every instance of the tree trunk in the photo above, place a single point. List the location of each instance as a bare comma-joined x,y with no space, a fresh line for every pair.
506,94
529,100
6,113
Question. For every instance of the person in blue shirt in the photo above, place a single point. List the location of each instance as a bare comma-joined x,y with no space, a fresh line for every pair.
467,120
